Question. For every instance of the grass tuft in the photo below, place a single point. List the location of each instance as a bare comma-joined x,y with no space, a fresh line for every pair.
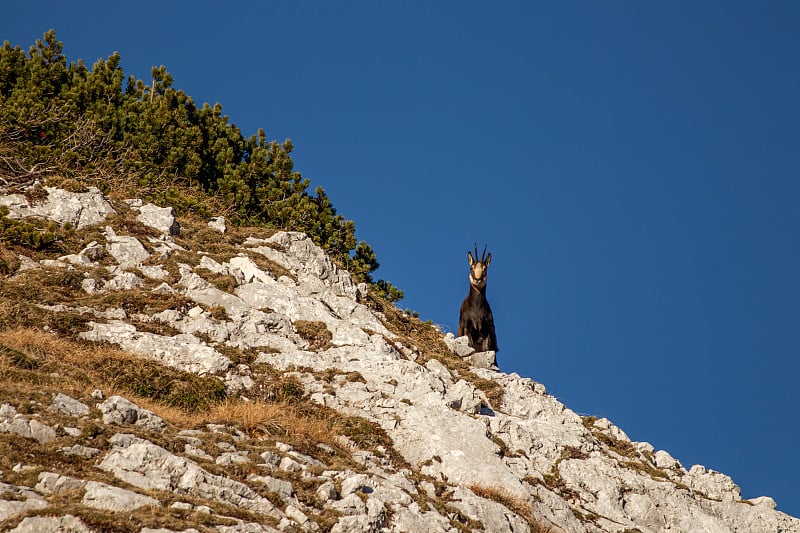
315,333
514,503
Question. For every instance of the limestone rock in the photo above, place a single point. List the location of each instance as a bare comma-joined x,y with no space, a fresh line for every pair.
230,458
86,257
665,461
459,346
23,500
713,484
61,524
412,518
293,513
282,488
159,218
249,527
81,209
355,483
122,281
350,505
7,412
155,272
80,451
209,264
483,360
245,270
52,483
91,286
150,467
30,428
764,501
68,406
118,410
184,352
26,263
203,292
288,464
494,516
327,492
163,288
126,250
607,427
194,451
165,530
392,489
164,246
463,397
72,431
110,498
313,266
218,224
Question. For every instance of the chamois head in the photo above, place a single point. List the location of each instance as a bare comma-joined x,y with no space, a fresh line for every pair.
478,268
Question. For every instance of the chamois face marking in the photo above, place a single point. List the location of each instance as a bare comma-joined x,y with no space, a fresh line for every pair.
477,270
476,320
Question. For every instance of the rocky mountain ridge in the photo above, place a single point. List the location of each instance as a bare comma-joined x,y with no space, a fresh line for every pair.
452,443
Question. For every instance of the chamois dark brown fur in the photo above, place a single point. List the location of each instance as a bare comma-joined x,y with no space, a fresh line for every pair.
476,320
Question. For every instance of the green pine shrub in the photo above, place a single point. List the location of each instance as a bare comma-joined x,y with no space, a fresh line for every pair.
66,123
34,234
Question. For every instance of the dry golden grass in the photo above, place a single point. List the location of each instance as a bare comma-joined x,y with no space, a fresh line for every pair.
316,333
302,424
37,359
53,348
9,261
36,364
267,265
518,505
196,235
155,517
284,419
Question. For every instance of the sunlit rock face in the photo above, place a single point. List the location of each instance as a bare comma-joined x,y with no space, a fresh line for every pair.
472,448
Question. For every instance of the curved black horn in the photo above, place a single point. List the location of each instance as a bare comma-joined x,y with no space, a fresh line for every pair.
483,255
476,250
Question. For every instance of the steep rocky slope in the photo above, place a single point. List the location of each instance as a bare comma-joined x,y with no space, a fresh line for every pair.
160,376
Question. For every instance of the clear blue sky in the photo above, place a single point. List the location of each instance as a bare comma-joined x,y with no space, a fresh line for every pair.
634,168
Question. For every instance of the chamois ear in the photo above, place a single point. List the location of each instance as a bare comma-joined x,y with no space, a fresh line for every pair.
470,259
488,259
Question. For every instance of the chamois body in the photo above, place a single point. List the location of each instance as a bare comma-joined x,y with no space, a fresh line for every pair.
475,319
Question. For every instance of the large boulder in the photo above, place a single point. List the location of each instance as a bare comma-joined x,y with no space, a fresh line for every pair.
128,251
80,209
107,497
69,406
118,410
161,219
61,524
30,428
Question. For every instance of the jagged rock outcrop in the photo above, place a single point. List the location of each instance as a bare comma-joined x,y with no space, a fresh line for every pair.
117,410
161,219
476,448
12,422
79,209
183,351
147,466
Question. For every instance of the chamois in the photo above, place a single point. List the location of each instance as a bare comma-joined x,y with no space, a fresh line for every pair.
476,320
